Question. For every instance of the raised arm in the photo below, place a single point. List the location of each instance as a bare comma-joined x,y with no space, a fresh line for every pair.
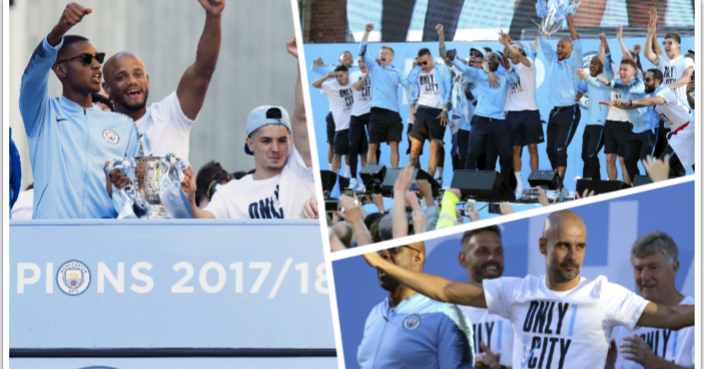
359,84
299,126
194,83
668,317
320,68
318,83
647,49
573,30
603,49
470,72
624,49
549,53
441,41
432,286
656,46
506,41
368,61
34,87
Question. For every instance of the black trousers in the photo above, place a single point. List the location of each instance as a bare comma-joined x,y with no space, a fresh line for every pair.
661,133
592,142
486,131
358,141
561,129
638,146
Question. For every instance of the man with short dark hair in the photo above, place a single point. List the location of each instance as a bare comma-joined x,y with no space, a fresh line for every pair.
429,100
655,266
482,255
560,320
408,330
676,115
385,123
165,126
283,179
70,137
340,95
639,142
676,70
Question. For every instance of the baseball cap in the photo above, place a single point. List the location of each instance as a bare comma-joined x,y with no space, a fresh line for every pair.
691,52
265,115
518,45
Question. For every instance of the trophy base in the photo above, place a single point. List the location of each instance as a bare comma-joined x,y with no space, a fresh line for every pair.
155,212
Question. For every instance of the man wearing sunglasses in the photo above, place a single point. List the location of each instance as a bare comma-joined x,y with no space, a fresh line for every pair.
69,137
429,99
166,125
409,330
676,70
671,110
560,319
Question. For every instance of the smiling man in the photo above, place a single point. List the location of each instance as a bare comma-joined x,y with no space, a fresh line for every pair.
483,256
655,266
283,177
166,125
408,330
69,137
560,319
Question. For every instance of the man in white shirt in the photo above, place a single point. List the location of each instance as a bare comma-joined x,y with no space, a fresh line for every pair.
165,126
283,177
668,108
655,266
676,70
560,320
340,94
483,256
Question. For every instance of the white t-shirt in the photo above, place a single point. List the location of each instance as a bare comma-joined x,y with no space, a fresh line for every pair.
429,89
674,113
165,129
616,114
278,197
562,329
673,346
341,99
23,206
495,331
672,70
363,97
521,96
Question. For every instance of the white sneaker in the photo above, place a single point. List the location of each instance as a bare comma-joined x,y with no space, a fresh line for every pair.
519,191
353,184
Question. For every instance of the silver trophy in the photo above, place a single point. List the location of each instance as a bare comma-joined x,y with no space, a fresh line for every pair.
148,172
554,14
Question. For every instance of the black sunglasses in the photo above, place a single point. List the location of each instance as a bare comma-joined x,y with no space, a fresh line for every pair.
397,249
476,54
424,63
87,59
647,79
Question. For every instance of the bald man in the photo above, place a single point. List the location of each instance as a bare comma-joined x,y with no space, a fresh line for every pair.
166,125
560,319
565,113
409,330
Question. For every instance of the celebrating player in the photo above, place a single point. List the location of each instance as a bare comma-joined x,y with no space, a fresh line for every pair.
560,319
69,137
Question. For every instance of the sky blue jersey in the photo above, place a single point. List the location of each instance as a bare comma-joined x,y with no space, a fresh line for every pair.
385,82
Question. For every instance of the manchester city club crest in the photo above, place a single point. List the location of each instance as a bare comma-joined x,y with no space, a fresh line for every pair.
411,322
111,136
73,277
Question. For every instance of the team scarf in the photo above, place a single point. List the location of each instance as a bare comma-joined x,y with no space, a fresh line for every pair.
171,193
123,199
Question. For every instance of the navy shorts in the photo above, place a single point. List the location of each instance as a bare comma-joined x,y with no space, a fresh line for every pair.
384,126
427,125
526,127
615,137
342,142
330,128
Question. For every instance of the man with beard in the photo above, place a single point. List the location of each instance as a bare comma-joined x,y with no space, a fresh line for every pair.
655,266
319,67
483,256
670,109
592,139
565,113
283,177
409,330
560,320
165,126
69,137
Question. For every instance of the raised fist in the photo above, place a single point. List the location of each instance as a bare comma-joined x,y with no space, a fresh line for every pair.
213,7
369,27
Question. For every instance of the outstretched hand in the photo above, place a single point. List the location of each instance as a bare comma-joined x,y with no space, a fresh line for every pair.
658,170
534,45
72,15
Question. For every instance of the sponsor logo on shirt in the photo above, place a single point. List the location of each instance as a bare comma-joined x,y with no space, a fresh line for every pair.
411,322
73,277
111,136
